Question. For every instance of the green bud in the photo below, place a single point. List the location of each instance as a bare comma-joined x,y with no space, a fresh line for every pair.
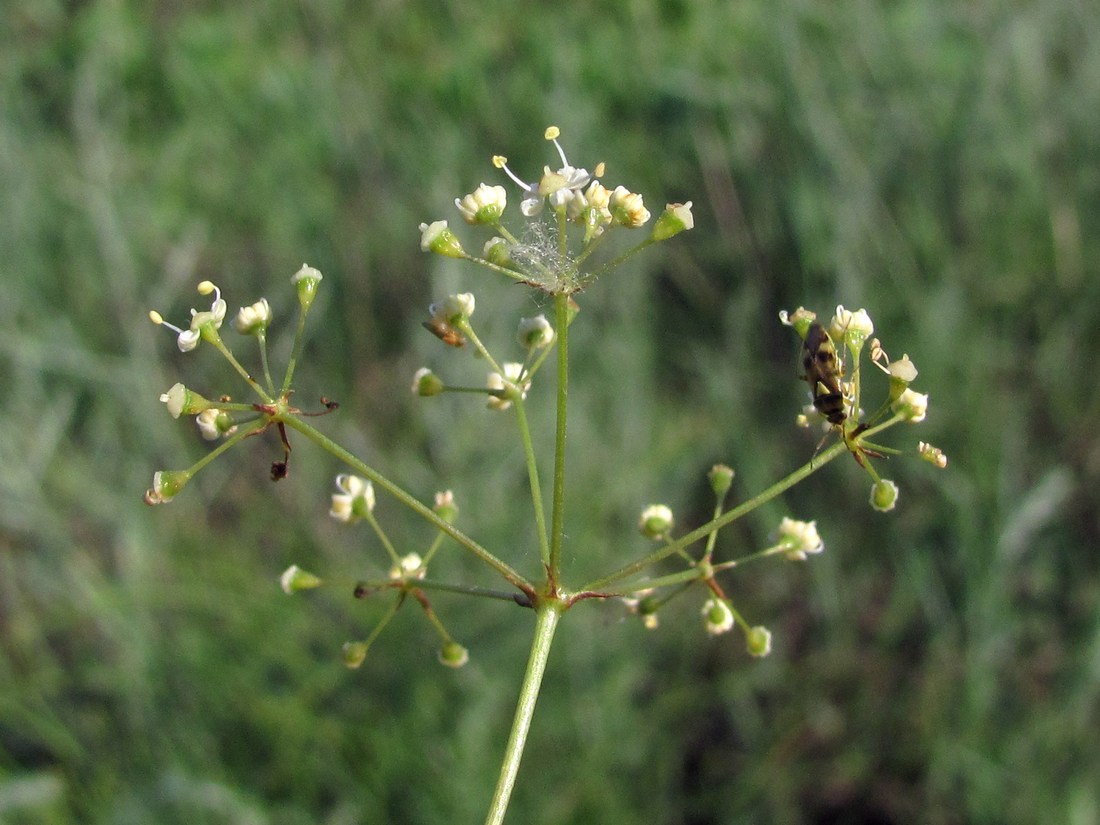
759,641
452,654
166,485
884,495
295,578
674,220
306,280
355,653
720,478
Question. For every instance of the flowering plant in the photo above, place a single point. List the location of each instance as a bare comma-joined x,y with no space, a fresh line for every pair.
570,217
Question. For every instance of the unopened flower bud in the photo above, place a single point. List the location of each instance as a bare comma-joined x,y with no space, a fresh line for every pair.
759,641
166,485
655,522
884,495
355,653
627,208
498,251
409,566
253,319
674,220
933,455
911,406
535,333
717,617
851,327
438,238
182,401
800,319
306,281
426,383
355,499
799,538
720,478
484,205
294,578
214,423
452,654
445,506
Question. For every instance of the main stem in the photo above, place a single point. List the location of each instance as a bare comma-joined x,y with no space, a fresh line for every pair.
546,621
557,523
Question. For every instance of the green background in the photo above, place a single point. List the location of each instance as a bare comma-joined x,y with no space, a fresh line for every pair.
934,162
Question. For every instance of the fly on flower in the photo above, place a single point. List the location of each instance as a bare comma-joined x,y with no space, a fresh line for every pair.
823,370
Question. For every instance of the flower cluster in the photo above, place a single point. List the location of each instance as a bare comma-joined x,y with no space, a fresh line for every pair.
576,198
836,391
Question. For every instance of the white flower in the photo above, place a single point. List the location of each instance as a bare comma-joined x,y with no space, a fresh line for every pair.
851,327
507,383
933,455
175,399
484,205
409,566
799,538
253,319
911,406
535,333
717,617
453,307
355,499
627,207
558,186
207,422
188,339
306,273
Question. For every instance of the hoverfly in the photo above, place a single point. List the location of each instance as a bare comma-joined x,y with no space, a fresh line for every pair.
823,371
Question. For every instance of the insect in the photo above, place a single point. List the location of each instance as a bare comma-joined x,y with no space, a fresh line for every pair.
823,371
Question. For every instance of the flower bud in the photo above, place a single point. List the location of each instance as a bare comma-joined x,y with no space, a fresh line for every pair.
214,423
445,506
674,220
759,641
933,455
355,499
166,485
911,406
627,208
438,238
799,538
182,401
800,319
484,205
294,578
721,479
426,383
409,566
717,617
852,327
655,522
535,333
884,495
452,654
355,653
253,319
498,251
306,281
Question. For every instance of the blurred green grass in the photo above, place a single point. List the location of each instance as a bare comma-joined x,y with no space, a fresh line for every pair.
935,163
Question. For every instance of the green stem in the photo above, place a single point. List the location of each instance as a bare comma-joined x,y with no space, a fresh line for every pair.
557,529
546,621
326,443
533,480
714,524
296,351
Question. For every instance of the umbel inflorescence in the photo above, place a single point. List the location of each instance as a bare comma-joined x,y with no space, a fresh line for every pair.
573,230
